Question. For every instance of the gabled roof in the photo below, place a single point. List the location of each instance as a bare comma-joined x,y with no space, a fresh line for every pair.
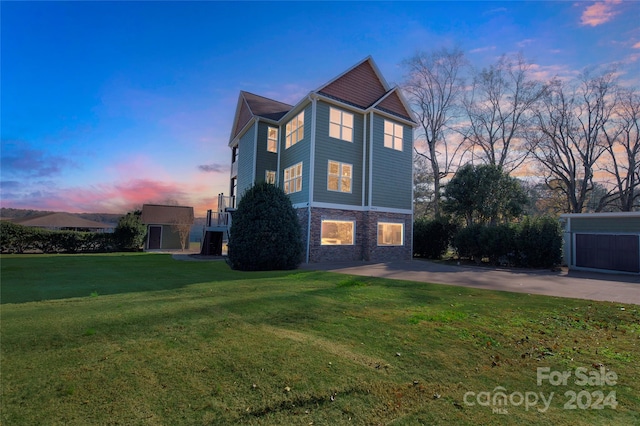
60,220
250,106
159,214
393,103
361,85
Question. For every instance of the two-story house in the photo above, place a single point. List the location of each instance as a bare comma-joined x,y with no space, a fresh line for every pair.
343,154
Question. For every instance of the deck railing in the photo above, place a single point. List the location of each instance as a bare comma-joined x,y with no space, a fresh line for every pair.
226,202
218,218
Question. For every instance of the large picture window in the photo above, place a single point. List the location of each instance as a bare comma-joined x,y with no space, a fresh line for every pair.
294,131
340,124
339,176
392,135
272,139
390,234
338,232
293,179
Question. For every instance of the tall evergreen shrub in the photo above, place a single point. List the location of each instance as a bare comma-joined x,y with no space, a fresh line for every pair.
539,242
265,233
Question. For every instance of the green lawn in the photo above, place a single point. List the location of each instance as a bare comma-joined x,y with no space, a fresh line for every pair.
142,339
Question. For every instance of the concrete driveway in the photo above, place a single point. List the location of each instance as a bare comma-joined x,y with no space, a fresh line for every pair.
575,284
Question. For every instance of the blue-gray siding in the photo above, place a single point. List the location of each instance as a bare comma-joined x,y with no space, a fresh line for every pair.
246,161
392,169
300,152
328,148
265,160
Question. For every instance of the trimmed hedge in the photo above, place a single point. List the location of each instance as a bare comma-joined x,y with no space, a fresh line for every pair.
16,238
431,238
532,243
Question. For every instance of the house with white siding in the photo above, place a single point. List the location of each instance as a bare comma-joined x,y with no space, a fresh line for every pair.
343,154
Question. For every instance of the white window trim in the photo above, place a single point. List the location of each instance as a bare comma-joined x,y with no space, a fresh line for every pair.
292,178
326,242
269,139
339,176
340,124
266,176
396,136
390,223
292,134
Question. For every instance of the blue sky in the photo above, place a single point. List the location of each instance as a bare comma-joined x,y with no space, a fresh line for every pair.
109,105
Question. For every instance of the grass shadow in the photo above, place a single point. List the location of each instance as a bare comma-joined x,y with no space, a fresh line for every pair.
32,278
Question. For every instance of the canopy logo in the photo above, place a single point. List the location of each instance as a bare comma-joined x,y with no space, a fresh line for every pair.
500,401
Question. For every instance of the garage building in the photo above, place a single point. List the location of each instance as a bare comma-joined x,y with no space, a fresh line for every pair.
607,242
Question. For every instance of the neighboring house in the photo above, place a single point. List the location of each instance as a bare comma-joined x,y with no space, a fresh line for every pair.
168,227
602,241
63,222
343,154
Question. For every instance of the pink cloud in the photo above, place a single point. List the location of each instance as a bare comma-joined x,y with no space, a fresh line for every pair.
599,13
119,197
636,46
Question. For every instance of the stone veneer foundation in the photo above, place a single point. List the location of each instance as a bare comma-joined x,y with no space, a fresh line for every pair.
365,247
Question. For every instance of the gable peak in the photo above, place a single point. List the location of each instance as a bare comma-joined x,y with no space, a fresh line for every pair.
361,85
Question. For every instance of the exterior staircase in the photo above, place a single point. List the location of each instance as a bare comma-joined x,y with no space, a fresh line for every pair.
216,230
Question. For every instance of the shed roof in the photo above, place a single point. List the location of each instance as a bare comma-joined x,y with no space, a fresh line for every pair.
166,215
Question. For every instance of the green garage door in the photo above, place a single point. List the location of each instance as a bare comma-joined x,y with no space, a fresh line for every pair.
611,252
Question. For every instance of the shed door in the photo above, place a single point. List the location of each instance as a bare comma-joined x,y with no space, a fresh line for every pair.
612,252
155,236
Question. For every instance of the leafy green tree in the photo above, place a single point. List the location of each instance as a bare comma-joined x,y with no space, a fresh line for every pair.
130,232
484,194
265,233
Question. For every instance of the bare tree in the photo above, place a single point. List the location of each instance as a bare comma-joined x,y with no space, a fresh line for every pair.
498,108
567,140
423,195
622,136
434,88
181,224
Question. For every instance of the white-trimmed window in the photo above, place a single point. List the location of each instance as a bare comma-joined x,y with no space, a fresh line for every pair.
390,234
337,232
294,130
340,124
339,176
392,135
293,178
270,176
272,139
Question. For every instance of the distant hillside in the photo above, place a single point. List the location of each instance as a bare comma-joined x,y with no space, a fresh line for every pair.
9,213
108,218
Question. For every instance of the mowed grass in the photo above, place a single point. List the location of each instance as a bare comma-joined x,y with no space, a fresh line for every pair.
142,339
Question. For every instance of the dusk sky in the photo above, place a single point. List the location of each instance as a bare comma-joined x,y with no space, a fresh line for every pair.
106,106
